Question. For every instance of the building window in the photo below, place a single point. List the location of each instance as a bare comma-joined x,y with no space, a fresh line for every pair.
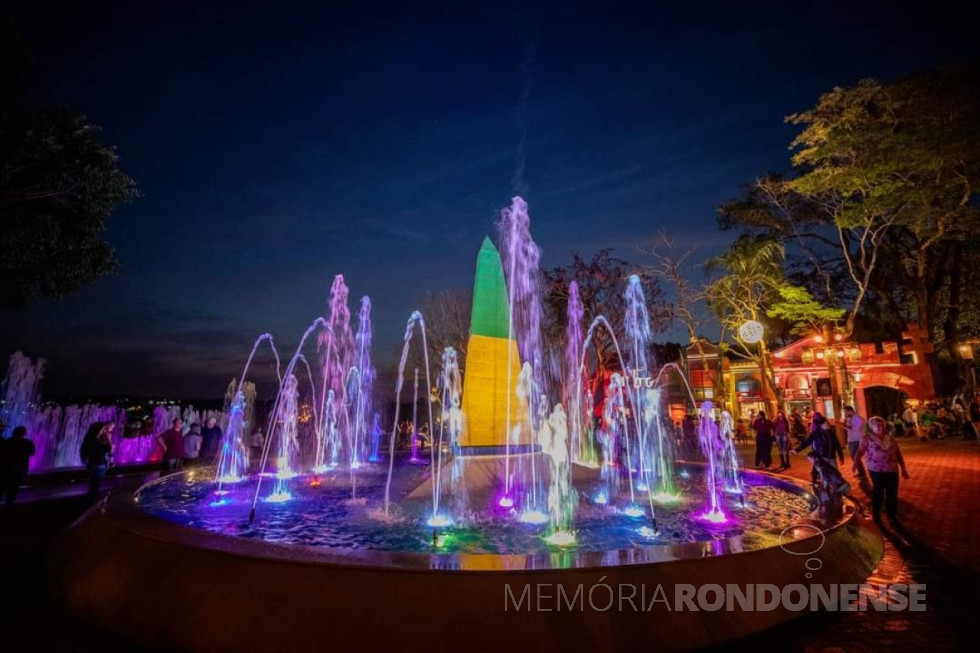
797,382
748,384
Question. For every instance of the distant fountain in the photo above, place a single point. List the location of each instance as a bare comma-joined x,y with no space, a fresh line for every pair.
20,386
376,433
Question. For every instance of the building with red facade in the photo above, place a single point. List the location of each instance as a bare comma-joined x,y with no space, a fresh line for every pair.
876,378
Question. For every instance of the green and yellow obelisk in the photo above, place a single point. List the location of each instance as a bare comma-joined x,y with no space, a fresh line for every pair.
489,353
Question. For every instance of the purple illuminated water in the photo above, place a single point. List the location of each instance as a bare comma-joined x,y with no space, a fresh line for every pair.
336,344
713,450
579,419
521,258
324,516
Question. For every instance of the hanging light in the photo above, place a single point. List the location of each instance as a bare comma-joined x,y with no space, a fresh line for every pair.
751,332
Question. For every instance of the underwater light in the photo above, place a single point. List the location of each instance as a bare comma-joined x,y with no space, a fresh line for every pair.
533,517
279,497
561,538
439,521
714,516
634,511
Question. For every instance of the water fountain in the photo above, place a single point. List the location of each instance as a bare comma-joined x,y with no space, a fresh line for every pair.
514,449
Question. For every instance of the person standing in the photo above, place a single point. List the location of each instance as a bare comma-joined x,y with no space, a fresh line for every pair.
211,441
884,460
854,425
96,453
172,442
763,440
15,459
780,427
256,442
975,417
192,445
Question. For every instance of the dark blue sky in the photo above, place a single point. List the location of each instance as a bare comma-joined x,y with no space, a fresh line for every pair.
279,144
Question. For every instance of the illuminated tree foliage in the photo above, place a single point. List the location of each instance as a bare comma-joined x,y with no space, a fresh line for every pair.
883,201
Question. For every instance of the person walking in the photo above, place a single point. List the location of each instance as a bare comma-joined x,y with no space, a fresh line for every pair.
763,440
172,442
15,459
884,459
854,425
192,446
780,427
96,454
975,417
824,442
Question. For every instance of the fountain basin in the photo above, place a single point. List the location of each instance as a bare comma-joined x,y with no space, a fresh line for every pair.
174,586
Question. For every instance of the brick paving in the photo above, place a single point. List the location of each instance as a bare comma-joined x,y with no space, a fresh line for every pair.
935,546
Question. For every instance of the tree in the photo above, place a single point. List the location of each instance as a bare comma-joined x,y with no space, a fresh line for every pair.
447,324
58,185
884,197
602,289
797,306
672,267
747,279
907,153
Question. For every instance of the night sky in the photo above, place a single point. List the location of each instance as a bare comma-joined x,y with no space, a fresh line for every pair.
278,145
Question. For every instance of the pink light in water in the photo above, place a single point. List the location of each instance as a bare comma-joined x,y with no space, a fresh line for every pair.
505,502
713,516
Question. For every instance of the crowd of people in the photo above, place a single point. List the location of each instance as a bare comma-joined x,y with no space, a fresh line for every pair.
872,445
179,450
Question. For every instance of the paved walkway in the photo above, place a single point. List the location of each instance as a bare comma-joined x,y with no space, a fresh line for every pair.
936,546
